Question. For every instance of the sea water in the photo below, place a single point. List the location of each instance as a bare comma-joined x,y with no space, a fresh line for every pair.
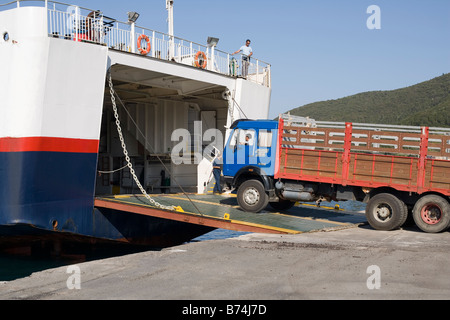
219,234
17,267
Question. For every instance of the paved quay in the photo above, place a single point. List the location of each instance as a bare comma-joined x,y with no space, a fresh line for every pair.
356,263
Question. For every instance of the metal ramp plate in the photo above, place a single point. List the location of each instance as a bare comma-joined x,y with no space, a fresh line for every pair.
223,212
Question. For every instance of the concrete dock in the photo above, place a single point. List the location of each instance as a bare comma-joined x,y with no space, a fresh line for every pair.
352,264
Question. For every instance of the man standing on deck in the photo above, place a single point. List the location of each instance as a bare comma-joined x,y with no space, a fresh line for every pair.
217,171
247,52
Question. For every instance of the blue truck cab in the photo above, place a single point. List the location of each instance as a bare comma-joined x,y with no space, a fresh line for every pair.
249,162
252,144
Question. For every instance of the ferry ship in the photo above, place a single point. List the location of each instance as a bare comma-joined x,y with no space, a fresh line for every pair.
88,105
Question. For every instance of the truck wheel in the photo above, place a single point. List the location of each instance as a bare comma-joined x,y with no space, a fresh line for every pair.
432,214
252,196
282,205
386,212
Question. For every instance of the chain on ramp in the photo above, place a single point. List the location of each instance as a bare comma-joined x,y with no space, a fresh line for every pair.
127,157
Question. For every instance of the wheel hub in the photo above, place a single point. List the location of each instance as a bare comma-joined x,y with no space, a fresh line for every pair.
431,214
251,196
384,213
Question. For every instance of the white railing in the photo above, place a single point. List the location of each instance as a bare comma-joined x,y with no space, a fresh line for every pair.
76,23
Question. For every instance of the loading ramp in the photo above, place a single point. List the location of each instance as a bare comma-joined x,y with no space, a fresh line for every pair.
223,212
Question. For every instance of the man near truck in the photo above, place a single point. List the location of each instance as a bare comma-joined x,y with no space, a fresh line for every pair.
217,172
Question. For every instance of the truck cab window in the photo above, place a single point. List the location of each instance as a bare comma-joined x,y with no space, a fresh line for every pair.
265,139
234,138
247,137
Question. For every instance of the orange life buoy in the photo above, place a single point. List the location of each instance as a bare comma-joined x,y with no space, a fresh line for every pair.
197,60
143,51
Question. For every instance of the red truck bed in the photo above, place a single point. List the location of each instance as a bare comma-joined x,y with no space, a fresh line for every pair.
408,159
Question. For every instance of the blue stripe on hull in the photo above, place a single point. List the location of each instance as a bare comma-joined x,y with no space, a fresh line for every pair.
38,188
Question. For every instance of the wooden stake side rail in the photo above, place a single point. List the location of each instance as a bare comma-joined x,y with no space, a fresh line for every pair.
407,161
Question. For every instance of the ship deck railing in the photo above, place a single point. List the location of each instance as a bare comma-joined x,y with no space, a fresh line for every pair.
76,23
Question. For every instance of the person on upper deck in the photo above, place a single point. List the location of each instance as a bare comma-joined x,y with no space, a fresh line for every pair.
247,52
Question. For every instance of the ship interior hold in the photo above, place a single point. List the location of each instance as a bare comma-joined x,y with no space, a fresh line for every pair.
151,107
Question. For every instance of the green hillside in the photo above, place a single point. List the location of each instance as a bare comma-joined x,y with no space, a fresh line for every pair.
424,104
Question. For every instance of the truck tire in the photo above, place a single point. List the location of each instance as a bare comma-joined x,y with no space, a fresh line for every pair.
252,196
386,212
282,205
432,214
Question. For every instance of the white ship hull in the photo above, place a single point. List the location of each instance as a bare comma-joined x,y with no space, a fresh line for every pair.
57,129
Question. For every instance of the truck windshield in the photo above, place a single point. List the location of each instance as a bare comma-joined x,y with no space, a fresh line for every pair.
243,138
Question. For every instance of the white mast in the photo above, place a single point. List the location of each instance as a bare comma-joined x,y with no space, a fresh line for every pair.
169,7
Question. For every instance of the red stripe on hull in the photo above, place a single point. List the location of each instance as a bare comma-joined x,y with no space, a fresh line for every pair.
44,144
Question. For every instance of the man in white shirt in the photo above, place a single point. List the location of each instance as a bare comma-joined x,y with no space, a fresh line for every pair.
247,52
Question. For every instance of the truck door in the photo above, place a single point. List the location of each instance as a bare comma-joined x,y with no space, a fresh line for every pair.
251,147
266,150
240,151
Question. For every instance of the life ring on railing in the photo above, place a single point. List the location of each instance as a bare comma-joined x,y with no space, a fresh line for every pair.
143,51
198,63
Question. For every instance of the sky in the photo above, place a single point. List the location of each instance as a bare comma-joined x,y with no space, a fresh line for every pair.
318,49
